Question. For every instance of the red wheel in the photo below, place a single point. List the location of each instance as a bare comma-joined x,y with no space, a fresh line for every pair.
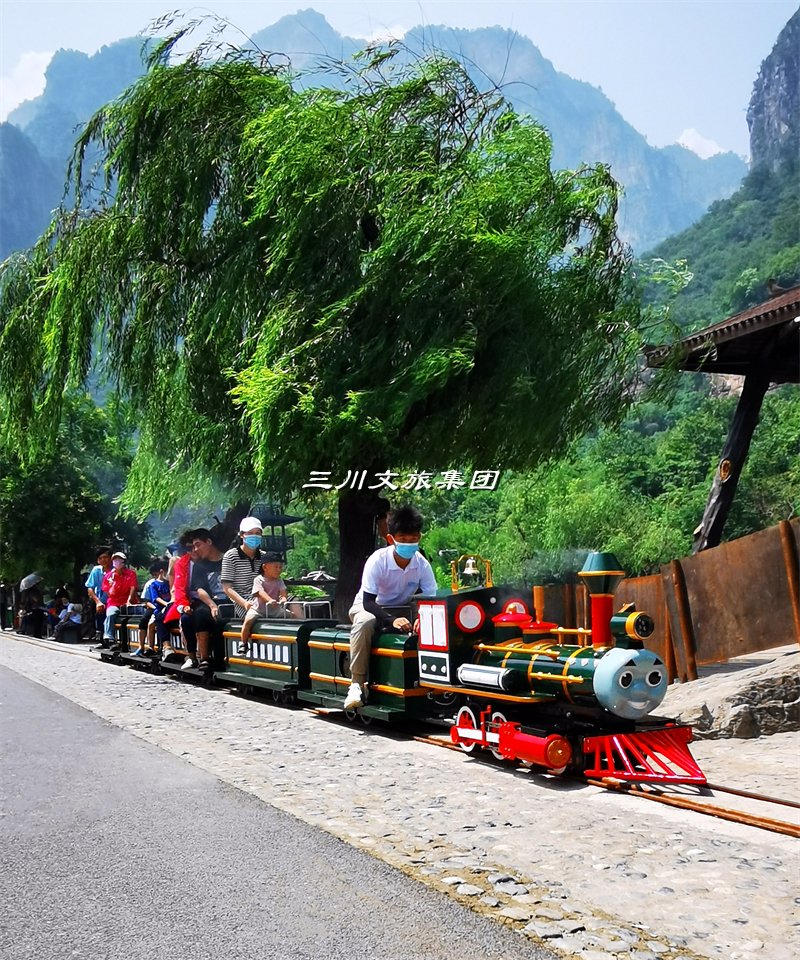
498,718
466,720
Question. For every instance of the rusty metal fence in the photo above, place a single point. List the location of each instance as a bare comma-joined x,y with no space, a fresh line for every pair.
734,599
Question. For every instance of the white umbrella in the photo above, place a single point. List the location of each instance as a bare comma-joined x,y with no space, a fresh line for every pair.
30,581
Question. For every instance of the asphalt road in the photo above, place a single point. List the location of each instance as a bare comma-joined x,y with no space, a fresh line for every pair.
112,849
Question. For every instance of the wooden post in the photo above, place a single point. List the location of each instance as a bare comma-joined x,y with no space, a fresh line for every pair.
569,605
670,661
792,574
684,618
734,454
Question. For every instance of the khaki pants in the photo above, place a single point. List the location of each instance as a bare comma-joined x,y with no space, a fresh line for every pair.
361,634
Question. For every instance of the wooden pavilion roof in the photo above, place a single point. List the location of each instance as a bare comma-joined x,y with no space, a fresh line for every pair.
735,345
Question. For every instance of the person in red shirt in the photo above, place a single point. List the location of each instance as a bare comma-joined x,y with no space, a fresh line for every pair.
121,585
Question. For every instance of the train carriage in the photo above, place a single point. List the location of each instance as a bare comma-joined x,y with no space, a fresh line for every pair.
482,658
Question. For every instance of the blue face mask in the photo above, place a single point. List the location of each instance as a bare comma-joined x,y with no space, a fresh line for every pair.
406,550
253,541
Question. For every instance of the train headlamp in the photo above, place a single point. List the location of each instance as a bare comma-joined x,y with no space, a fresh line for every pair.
631,627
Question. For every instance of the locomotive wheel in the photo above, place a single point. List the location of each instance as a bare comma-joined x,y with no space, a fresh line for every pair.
351,715
466,718
498,717
276,696
367,721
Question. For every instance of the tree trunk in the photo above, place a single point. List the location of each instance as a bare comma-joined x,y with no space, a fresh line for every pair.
78,589
358,511
224,531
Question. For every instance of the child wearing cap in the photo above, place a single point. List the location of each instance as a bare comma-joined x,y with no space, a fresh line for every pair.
267,597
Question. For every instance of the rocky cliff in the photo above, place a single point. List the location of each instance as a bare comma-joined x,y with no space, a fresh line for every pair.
773,117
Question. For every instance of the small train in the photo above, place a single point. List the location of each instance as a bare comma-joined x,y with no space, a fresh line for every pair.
484,661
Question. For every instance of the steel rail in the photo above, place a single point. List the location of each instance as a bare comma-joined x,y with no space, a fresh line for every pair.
752,796
711,810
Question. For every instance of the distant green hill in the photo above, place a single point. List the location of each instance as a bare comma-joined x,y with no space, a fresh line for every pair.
738,245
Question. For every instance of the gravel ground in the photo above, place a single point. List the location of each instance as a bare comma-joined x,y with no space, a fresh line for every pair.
592,873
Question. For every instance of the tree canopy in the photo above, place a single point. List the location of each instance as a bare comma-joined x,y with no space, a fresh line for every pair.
283,278
56,509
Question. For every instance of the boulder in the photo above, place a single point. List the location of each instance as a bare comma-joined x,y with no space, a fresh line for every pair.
753,702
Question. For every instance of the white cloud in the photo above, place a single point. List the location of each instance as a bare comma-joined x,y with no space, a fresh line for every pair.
24,82
699,144
387,33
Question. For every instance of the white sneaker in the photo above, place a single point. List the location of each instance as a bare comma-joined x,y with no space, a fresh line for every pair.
188,663
354,698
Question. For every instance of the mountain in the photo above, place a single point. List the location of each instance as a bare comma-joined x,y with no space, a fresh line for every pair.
29,190
76,86
773,117
666,189
752,236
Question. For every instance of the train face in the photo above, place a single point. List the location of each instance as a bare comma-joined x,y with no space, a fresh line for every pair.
630,683
464,647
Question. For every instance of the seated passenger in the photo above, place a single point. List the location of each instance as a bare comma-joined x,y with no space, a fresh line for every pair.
179,575
94,587
269,597
241,564
392,575
198,593
71,618
121,586
156,598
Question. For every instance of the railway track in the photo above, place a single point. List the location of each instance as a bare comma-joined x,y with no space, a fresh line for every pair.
699,805
695,802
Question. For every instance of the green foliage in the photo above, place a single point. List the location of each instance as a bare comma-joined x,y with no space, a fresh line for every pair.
738,246
641,495
315,538
56,508
281,280
301,591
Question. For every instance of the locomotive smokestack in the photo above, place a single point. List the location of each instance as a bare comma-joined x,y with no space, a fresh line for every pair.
602,575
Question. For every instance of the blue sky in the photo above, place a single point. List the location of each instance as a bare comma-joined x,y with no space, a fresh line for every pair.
670,66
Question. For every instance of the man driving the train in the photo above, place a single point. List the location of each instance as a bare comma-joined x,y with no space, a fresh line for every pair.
391,577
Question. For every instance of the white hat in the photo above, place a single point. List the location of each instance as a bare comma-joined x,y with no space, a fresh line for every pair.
119,553
250,523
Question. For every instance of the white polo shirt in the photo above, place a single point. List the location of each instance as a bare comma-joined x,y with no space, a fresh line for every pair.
393,585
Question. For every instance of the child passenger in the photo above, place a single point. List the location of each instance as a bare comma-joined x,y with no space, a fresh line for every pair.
267,600
156,596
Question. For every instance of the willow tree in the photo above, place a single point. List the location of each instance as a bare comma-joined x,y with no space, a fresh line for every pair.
286,278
